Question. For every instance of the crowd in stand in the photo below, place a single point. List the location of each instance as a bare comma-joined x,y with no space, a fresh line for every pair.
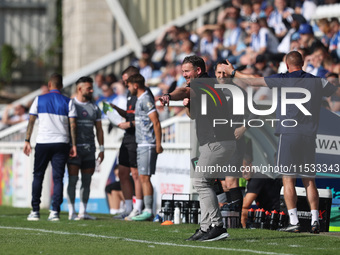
254,35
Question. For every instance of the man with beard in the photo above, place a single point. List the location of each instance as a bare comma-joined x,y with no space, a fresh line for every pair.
89,116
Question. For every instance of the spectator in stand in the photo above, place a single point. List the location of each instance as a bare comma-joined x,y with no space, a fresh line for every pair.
233,41
246,10
262,67
307,10
257,10
168,79
334,44
99,80
263,41
171,41
334,100
186,49
111,78
108,94
19,115
307,39
231,12
207,43
292,23
325,28
157,58
275,19
315,62
219,31
43,89
145,68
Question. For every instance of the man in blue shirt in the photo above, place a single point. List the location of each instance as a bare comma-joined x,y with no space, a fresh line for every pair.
57,124
300,116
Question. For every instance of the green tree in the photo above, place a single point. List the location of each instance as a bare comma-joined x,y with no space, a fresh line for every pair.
7,58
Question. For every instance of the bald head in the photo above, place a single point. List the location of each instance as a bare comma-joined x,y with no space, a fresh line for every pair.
294,59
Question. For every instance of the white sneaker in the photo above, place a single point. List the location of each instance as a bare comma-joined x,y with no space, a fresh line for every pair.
33,216
133,213
72,216
85,216
54,216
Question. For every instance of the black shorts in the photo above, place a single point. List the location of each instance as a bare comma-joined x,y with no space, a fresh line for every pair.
128,154
85,158
267,190
116,186
113,186
236,160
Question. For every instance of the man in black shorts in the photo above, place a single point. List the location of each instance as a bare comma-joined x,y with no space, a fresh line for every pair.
265,191
128,154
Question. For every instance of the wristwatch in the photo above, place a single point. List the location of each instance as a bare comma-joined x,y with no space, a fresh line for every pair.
168,94
233,73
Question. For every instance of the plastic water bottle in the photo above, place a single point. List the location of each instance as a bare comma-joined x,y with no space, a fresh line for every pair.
177,214
282,220
167,211
194,213
250,220
274,220
185,215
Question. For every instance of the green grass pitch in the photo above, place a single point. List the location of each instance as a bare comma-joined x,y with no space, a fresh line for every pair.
108,236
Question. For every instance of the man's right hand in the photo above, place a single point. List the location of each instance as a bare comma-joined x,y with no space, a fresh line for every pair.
165,99
73,152
27,148
186,102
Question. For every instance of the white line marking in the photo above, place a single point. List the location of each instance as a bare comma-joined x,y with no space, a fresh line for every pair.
143,241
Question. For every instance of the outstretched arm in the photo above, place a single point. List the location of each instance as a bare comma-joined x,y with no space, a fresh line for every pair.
176,95
250,79
119,110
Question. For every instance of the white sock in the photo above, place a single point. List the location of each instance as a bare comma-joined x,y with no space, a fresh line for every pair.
71,209
122,205
293,218
82,208
114,211
315,216
149,210
139,205
128,205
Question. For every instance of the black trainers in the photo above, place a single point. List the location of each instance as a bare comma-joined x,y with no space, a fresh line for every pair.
198,234
215,233
291,228
315,228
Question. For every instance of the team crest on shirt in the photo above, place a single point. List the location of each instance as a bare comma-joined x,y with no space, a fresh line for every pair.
84,113
149,105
